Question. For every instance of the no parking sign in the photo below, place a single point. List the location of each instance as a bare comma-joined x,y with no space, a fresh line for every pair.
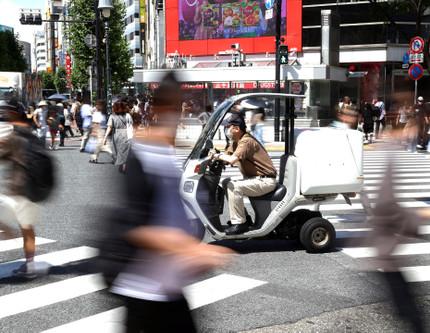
416,72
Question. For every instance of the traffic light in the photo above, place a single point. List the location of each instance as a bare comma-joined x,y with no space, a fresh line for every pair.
283,54
31,17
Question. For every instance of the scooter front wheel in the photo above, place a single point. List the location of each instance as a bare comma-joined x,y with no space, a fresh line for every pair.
317,235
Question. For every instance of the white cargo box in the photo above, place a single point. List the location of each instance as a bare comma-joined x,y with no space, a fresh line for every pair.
330,161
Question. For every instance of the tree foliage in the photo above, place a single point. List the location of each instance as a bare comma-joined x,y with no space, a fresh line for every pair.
121,67
47,80
60,80
11,55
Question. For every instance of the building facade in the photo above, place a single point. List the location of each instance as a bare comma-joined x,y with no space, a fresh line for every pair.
135,30
40,54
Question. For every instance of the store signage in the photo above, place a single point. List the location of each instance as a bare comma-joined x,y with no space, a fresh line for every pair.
416,45
269,14
415,58
69,71
416,72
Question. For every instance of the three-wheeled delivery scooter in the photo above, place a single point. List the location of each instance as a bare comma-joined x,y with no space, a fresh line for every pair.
318,165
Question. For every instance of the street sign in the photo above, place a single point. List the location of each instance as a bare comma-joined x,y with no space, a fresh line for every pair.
416,58
406,58
416,72
416,45
405,66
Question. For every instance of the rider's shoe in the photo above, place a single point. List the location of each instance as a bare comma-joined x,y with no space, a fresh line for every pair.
236,229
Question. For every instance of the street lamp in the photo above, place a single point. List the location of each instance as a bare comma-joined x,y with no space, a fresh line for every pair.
105,8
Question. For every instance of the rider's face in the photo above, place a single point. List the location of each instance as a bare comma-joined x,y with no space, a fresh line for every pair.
233,133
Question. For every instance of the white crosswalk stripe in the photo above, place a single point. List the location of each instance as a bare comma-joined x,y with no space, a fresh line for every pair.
412,188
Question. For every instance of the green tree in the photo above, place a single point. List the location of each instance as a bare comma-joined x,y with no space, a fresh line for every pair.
47,80
121,67
11,55
60,80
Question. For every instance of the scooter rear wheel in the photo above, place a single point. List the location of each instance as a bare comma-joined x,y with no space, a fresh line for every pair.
317,235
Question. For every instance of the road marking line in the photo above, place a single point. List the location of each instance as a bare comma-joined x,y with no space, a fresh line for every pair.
198,294
30,299
401,250
416,273
217,288
17,243
44,261
107,322
363,232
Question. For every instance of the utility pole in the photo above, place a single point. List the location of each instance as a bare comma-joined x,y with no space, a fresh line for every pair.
278,68
52,32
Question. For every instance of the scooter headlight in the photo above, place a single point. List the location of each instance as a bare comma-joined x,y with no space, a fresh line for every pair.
189,186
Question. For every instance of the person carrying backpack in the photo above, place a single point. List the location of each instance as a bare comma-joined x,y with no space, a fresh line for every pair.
30,180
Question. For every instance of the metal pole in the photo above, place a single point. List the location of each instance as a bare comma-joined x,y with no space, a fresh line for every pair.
108,82
91,82
278,68
416,92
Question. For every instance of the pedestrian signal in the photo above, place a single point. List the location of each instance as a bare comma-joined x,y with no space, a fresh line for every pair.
283,55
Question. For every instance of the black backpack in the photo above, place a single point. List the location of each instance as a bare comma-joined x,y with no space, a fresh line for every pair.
39,168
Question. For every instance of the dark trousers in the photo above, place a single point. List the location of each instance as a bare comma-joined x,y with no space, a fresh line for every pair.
158,317
404,300
379,127
69,130
62,136
422,133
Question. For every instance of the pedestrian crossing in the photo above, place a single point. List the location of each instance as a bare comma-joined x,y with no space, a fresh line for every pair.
412,188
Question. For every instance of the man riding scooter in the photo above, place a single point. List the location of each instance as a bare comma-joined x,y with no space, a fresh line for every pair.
255,165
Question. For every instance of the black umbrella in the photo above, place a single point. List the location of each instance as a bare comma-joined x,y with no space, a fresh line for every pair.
57,97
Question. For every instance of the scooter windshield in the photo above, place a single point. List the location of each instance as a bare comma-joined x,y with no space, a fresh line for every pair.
210,129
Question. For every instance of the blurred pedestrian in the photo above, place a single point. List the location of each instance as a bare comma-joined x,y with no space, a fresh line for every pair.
422,123
393,225
75,113
402,117
98,131
380,116
347,116
205,115
410,132
68,119
40,116
120,124
367,117
29,180
86,113
167,256
257,124
56,124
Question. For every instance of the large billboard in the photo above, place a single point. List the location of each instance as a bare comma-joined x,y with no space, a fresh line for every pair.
205,27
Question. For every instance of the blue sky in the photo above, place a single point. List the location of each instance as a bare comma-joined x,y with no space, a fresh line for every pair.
9,15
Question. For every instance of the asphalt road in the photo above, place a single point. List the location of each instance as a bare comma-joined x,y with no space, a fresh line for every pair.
284,289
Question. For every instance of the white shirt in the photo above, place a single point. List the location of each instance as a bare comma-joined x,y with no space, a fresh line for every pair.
381,106
42,116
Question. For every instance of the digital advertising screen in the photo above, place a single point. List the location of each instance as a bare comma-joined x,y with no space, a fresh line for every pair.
217,19
206,27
